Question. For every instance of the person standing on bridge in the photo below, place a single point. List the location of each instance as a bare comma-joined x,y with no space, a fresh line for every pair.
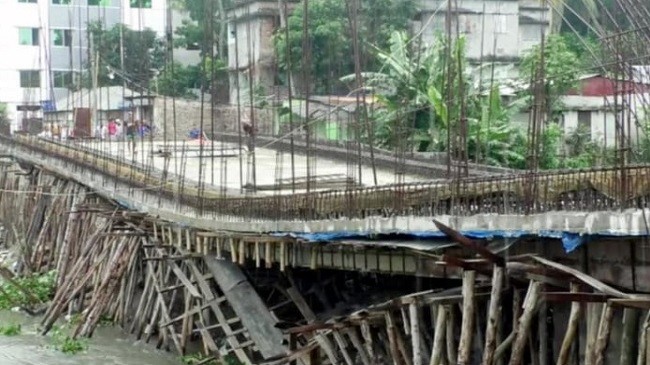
131,135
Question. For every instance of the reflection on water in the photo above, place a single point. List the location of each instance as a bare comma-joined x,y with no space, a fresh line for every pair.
109,346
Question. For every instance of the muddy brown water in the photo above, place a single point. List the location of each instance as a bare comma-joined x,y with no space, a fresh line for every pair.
109,346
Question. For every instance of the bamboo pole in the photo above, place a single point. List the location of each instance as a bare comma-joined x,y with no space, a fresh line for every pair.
572,329
416,337
593,314
467,326
450,335
439,337
629,336
642,356
523,326
493,315
604,330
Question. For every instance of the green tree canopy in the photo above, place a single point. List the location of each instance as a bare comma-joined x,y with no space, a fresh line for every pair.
143,53
561,68
330,38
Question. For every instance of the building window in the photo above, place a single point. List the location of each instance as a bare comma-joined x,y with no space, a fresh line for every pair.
28,36
28,1
30,78
99,2
62,79
465,24
584,123
62,37
141,4
61,2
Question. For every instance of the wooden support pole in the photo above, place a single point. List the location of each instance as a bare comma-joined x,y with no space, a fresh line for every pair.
604,329
416,337
392,341
242,251
629,336
233,250
593,315
572,329
642,356
467,326
267,254
523,326
439,337
493,315
450,334
368,341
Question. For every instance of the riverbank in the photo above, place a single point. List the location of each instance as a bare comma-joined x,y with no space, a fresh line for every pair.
108,346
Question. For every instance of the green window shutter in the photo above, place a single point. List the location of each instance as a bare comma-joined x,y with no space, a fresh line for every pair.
25,36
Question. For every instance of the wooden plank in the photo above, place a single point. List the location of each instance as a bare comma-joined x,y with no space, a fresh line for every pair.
245,301
209,296
575,297
589,280
470,244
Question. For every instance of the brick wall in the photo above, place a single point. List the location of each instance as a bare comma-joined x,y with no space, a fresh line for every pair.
188,116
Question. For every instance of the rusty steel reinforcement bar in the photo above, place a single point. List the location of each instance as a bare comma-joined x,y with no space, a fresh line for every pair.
576,190
434,167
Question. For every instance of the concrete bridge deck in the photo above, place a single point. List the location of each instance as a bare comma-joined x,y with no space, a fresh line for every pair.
598,201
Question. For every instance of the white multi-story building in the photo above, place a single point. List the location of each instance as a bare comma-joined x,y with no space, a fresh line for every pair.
44,42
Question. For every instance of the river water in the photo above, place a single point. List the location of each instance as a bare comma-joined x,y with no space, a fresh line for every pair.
108,346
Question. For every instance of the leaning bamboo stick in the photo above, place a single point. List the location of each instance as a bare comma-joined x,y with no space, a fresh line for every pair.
572,329
439,337
523,326
493,315
642,356
392,341
604,330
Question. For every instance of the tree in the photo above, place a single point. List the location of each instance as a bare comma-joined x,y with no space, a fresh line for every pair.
179,82
4,118
561,69
207,28
143,53
410,89
330,38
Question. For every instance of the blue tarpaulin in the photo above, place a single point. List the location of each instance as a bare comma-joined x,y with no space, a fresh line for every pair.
570,241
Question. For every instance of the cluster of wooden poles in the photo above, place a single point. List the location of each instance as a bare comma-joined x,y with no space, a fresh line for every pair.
163,283
519,316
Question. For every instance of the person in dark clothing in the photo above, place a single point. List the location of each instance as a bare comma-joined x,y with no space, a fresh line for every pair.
131,135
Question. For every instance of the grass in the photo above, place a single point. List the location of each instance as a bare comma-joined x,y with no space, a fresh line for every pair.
41,287
63,342
10,330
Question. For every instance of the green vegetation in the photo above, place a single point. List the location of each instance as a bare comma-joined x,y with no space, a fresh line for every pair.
63,342
561,69
330,38
143,53
40,288
10,330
